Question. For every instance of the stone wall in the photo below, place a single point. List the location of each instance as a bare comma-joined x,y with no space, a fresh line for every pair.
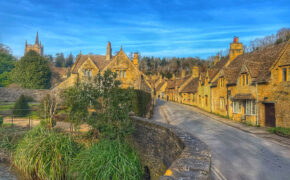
170,153
12,94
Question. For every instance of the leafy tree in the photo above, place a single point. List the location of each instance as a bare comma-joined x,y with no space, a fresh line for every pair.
21,107
59,60
110,104
69,60
32,71
7,62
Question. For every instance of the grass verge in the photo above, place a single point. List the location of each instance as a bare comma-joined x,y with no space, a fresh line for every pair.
285,132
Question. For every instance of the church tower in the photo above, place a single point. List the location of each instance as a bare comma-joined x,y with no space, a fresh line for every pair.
109,51
236,49
37,46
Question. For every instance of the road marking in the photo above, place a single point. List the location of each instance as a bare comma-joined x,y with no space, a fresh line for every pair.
217,173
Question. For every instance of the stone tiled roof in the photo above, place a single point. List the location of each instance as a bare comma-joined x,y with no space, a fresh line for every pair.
160,85
257,62
219,65
99,60
191,87
243,96
171,84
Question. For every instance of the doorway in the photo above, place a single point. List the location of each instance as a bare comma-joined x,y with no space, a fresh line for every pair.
270,120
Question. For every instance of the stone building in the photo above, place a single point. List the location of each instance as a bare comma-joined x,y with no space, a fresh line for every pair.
88,66
252,87
37,46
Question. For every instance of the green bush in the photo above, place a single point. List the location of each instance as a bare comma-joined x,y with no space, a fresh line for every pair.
1,120
32,71
45,154
21,107
141,103
107,160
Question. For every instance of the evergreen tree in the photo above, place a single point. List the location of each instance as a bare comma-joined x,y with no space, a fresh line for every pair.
69,60
59,60
32,71
21,107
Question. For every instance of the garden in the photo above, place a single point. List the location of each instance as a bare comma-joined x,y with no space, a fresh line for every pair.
49,152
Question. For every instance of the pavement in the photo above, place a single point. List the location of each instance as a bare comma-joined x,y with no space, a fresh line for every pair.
239,152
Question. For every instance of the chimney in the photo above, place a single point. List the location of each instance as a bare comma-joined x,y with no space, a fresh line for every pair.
217,58
109,52
182,73
135,59
195,71
173,76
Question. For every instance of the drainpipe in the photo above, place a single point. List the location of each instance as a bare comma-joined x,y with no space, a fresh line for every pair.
257,105
228,107
210,99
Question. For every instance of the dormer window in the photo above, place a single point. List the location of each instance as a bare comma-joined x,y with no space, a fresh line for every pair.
222,82
244,79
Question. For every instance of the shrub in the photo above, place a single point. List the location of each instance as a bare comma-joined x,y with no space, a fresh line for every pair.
45,154
21,107
141,103
1,120
107,160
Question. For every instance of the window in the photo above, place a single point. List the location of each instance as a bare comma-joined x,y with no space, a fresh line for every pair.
284,74
288,74
247,79
199,99
124,74
237,107
222,82
120,75
117,72
206,100
222,103
87,72
243,80
250,107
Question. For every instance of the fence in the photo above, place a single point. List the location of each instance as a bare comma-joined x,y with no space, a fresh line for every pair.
29,119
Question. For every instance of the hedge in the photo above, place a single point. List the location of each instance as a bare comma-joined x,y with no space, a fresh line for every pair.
141,102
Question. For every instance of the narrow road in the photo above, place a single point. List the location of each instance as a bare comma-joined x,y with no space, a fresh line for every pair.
236,155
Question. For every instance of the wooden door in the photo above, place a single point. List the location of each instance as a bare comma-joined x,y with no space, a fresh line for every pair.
270,115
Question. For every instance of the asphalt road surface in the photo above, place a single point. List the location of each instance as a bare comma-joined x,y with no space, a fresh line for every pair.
236,155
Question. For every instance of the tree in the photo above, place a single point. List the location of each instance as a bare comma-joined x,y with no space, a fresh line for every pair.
21,107
47,110
69,60
110,105
7,62
59,60
32,71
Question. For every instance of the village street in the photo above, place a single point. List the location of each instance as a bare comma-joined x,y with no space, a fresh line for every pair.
235,154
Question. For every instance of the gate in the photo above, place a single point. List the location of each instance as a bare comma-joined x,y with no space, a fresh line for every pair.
270,119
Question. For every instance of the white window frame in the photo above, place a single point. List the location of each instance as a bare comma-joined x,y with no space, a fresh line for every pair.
250,107
237,107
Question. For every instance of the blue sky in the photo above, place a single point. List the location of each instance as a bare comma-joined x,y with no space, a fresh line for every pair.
153,27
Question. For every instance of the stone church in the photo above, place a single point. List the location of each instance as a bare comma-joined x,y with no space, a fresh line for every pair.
87,66
37,46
